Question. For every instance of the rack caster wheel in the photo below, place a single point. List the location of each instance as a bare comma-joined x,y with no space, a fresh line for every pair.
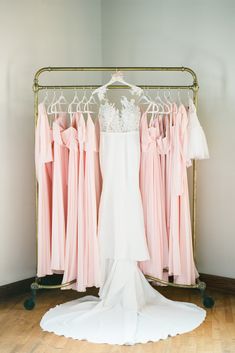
208,302
29,304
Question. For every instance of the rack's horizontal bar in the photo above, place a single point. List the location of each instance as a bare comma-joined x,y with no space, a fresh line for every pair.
199,284
122,68
36,285
40,87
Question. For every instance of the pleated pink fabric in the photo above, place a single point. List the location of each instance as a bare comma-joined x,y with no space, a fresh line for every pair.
152,195
43,162
175,189
91,190
70,137
164,190
163,147
98,177
167,186
180,205
59,195
81,250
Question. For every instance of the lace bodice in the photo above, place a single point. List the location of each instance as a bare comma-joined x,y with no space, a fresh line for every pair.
125,120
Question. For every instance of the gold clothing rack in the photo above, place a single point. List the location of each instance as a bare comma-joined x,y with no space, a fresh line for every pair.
208,302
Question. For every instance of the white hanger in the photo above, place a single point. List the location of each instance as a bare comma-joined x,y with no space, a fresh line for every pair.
153,112
152,105
145,99
167,95
163,104
75,101
91,100
45,97
49,112
189,97
168,98
116,77
82,101
60,102
179,98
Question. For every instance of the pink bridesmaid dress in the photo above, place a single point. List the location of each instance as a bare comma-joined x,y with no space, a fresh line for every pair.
91,190
43,162
161,142
59,195
189,272
163,146
81,255
70,137
167,186
174,190
98,177
152,193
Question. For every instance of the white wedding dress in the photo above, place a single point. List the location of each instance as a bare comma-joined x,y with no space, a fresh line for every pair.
128,310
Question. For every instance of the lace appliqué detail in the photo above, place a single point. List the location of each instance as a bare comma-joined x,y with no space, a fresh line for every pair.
111,120
101,92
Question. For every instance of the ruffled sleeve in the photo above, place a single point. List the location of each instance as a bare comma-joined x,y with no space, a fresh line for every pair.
197,143
43,140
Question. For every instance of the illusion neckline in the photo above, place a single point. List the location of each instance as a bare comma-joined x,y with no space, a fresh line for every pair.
120,111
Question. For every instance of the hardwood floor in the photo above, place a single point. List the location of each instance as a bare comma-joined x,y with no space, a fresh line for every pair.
20,331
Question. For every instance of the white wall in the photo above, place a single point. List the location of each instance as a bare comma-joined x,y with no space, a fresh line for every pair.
32,34
199,34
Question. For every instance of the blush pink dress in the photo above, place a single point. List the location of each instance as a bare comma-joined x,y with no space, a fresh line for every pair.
181,262
189,272
70,138
98,177
163,148
174,190
43,161
152,193
81,254
167,186
91,189
59,196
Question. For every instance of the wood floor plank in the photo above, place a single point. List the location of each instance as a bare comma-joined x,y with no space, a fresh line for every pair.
20,331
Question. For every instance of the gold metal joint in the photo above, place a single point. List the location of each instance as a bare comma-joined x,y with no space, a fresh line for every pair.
201,285
195,85
35,85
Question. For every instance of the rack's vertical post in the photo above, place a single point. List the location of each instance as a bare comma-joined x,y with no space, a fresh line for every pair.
195,99
35,90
